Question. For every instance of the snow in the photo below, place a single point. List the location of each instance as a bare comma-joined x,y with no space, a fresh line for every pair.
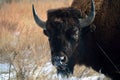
47,70
4,71
4,67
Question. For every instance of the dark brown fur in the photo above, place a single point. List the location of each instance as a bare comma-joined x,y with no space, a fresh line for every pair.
107,18
107,23
87,52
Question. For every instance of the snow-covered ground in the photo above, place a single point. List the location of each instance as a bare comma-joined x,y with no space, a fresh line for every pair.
4,67
48,71
4,71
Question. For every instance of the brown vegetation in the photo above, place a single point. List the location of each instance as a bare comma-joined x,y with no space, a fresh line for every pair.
22,43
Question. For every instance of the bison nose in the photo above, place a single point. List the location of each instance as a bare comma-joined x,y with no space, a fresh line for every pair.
58,61
63,59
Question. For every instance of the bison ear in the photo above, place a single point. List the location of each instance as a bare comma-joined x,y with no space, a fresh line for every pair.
40,23
90,18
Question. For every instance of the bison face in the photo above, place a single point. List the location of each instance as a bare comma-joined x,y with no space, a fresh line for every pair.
63,38
63,28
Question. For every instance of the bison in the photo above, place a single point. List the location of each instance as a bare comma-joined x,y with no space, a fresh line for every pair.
74,41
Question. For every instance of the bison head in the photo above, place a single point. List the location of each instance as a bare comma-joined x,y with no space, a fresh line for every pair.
63,29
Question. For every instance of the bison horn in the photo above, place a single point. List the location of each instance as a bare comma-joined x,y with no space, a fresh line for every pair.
90,18
41,23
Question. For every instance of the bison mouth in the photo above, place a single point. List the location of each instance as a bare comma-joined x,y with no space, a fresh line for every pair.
63,64
64,71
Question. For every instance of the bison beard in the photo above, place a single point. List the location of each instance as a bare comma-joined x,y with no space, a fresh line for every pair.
72,42
65,71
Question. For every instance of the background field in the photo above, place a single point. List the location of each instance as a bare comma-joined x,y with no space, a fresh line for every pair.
23,47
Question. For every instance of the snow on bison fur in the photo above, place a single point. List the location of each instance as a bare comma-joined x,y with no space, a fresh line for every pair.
74,40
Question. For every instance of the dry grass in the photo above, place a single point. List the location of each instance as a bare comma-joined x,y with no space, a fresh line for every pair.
18,29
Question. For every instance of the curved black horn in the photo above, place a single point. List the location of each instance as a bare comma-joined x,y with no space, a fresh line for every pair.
90,18
41,23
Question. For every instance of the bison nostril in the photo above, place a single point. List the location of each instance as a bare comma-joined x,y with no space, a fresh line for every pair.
63,59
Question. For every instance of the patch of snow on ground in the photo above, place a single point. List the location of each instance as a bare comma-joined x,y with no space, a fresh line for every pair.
47,68
4,71
49,71
4,67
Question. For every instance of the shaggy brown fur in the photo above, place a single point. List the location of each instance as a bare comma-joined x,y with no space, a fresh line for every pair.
107,17
107,23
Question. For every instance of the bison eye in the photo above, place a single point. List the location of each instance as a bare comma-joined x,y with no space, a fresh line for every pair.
72,34
75,34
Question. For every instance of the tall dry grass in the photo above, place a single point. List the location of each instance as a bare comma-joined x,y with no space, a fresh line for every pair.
17,27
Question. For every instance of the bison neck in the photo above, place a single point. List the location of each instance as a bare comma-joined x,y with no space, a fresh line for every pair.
89,54
87,51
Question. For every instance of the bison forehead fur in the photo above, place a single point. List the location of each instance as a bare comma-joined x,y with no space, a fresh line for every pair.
66,15
64,12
